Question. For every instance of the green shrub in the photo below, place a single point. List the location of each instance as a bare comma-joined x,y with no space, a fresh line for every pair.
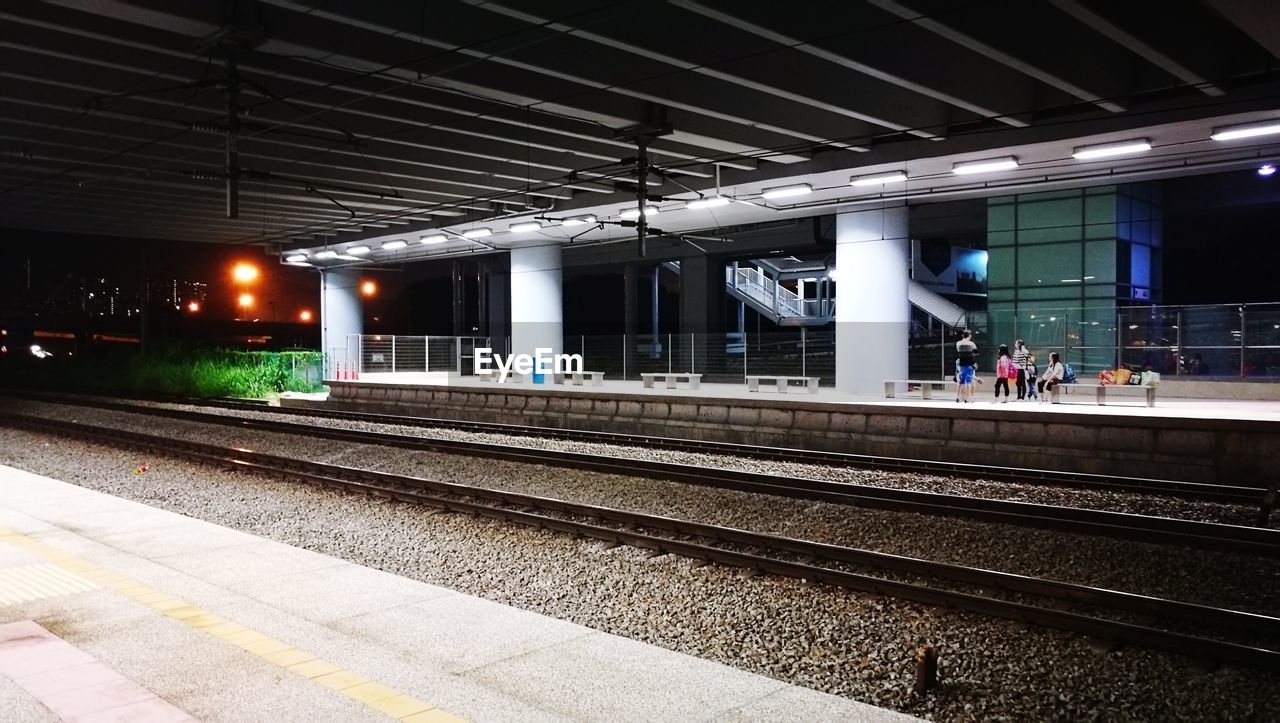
183,372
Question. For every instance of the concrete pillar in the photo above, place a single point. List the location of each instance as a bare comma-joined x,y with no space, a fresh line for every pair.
341,315
701,296
872,312
537,319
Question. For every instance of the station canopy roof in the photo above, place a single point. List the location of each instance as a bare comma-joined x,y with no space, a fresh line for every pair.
414,128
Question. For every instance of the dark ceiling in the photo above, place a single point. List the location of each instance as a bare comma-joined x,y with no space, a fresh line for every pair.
353,116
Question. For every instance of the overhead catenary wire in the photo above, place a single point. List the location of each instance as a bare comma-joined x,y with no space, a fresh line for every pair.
800,145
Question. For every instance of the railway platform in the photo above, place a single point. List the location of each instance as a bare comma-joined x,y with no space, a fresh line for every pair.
1192,440
112,610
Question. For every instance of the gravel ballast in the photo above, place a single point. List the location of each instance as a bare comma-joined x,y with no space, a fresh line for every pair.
1211,578
861,646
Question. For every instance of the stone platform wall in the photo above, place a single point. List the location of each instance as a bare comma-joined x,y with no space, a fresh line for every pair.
1198,450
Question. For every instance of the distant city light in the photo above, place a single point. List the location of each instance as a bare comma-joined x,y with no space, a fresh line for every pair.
244,273
304,315
193,306
1266,169
368,288
246,301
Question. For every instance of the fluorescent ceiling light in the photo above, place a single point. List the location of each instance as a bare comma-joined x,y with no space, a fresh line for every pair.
707,202
396,244
1249,130
985,166
878,179
525,227
578,221
798,189
477,233
328,254
360,250
296,258
632,212
435,238
1106,150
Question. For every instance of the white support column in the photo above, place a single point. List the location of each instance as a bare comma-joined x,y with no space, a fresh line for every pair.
872,311
536,301
341,313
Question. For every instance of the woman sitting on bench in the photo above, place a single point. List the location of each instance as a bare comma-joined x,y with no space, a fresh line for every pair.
1052,377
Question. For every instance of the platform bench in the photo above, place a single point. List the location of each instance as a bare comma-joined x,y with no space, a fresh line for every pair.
1102,390
695,380
577,378
926,386
783,382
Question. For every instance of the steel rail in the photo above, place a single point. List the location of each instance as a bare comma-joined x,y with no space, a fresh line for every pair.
1144,528
519,509
1210,492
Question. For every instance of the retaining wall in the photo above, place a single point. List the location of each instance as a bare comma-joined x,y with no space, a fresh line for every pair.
1199,450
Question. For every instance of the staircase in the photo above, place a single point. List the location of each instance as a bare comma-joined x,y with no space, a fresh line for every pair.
774,301
783,307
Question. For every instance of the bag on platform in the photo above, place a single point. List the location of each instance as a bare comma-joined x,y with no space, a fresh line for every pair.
1069,375
1122,376
1151,379
1106,376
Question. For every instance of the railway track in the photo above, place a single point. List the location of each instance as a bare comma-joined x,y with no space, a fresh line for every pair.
1158,530
765,553
1251,495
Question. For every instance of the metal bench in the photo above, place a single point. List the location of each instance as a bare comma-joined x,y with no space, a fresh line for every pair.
1102,390
926,386
671,379
783,382
577,378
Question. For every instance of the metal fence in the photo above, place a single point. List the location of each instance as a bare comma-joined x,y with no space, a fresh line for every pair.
1221,341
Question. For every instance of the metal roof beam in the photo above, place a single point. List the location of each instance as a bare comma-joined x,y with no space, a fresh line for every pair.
1135,44
844,62
977,46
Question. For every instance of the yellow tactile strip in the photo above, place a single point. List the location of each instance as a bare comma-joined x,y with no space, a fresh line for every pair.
24,583
374,695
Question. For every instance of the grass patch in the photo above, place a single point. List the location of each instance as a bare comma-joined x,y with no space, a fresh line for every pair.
203,373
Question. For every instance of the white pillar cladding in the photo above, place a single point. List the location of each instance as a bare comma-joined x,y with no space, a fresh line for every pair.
872,312
341,314
537,319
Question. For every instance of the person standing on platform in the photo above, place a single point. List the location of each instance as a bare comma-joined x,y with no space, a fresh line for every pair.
1005,370
1030,373
1020,356
967,360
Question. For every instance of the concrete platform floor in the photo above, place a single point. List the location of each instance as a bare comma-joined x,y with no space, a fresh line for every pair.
1081,402
225,626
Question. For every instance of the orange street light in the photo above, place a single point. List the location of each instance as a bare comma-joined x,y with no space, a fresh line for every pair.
246,301
304,315
368,288
244,273
193,306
